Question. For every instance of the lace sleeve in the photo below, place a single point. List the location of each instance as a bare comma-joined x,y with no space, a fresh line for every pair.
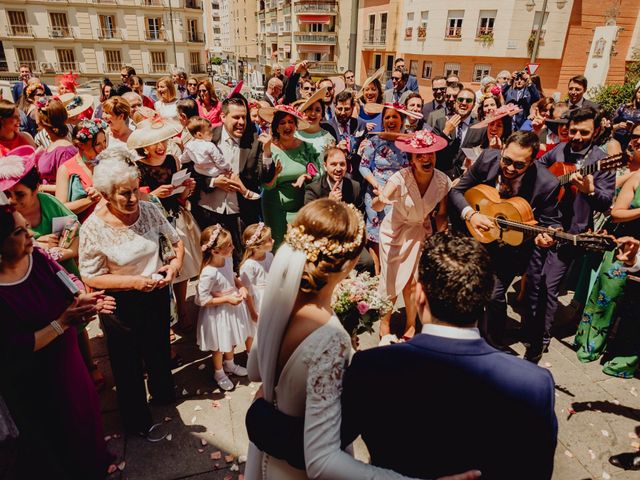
92,260
324,458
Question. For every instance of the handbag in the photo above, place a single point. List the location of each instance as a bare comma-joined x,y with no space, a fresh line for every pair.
166,250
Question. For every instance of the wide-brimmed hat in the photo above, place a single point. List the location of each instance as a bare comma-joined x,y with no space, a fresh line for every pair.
421,141
153,130
376,76
316,97
338,84
376,108
506,110
15,166
562,120
75,103
267,114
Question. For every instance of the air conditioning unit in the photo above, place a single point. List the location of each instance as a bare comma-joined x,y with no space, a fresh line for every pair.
47,67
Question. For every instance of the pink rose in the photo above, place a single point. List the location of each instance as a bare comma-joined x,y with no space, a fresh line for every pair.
363,307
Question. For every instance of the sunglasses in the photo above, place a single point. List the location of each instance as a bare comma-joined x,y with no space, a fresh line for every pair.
395,79
312,89
507,162
440,89
465,100
329,89
634,137
203,91
451,95
124,75
192,84
349,78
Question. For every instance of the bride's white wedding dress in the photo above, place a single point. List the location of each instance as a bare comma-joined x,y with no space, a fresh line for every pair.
310,386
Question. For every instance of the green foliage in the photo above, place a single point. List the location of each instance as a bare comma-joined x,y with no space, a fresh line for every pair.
216,61
610,97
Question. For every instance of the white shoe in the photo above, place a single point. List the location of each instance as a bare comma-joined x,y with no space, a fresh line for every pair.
224,383
236,370
388,339
251,195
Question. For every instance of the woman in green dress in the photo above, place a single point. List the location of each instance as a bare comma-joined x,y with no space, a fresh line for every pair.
312,110
297,163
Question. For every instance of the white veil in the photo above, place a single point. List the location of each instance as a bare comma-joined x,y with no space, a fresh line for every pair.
283,285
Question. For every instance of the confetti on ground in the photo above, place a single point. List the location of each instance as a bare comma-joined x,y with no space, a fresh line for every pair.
556,394
193,420
568,453
242,459
197,408
606,476
167,419
592,454
201,366
121,465
169,437
203,442
617,402
234,468
216,455
184,392
229,458
605,433
198,392
215,404
632,435
636,445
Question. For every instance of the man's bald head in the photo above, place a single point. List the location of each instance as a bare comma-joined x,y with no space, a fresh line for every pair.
274,87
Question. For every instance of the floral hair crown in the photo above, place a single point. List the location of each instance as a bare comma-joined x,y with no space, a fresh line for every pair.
313,247
256,235
214,235
43,102
90,128
32,87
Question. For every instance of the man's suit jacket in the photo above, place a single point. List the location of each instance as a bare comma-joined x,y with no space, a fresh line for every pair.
539,187
430,107
585,103
412,84
451,158
388,96
270,100
461,399
319,188
577,212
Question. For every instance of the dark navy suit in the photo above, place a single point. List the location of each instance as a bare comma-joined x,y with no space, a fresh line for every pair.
577,217
540,188
462,398
357,129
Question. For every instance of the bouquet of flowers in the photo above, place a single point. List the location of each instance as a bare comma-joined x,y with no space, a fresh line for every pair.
358,305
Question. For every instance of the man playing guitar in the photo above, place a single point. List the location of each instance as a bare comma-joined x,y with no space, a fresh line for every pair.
513,172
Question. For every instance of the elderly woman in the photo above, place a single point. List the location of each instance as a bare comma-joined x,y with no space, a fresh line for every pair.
74,184
312,111
297,163
10,135
120,251
116,113
166,104
209,106
417,197
40,354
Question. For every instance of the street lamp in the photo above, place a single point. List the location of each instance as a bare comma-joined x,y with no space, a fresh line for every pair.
536,41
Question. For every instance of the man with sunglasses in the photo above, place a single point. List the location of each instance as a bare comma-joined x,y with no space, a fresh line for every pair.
126,73
513,172
329,111
350,81
521,92
439,89
451,93
412,81
590,193
399,92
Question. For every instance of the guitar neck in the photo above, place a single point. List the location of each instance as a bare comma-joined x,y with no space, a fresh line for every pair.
603,164
534,229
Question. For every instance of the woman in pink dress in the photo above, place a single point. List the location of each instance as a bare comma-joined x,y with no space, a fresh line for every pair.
418,197
209,106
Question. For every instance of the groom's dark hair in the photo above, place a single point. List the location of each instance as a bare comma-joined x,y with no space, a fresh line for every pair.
456,275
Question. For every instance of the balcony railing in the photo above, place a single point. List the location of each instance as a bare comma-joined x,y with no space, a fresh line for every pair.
154,35
453,32
408,33
159,68
195,37
68,67
113,67
32,64
484,31
195,4
197,69
422,33
110,34
324,67
61,32
316,7
19,31
152,3
316,37
4,66
375,38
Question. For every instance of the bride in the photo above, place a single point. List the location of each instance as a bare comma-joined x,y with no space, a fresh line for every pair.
302,350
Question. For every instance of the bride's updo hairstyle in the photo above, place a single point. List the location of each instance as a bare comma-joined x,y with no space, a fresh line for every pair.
330,234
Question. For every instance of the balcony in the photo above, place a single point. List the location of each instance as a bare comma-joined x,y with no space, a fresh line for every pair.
61,32
68,67
194,4
422,33
20,31
453,33
316,38
152,3
375,38
198,69
408,33
159,68
323,67
110,34
326,8
195,37
112,67
155,35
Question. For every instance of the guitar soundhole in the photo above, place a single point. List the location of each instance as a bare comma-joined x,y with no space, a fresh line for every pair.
500,218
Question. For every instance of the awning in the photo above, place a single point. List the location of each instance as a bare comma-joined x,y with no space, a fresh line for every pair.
324,19
314,48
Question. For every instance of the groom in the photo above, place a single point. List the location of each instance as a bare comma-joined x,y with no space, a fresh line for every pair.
472,406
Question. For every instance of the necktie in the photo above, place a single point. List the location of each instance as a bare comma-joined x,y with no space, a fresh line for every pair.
460,131
505,189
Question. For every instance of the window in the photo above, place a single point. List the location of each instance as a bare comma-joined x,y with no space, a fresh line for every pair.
154,27
66,59
194,59
426,69
158,62
59,26
480,71
18,23
408,31
193,31
413,68
27,56
422,28
107,26
112,60
451,69
454,24
486,22
377,61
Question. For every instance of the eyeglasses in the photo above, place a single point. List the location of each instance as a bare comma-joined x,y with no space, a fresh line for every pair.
203,91
440,89
451,95
465,100
192,84
506,161
350,77
311,89
396,79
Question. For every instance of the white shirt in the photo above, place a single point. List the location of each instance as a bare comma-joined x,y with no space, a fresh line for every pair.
167,110
207,158
459,333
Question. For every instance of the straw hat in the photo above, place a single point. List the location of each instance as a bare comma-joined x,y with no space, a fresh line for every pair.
506,110
15,166
318,96
267,114
421,141
153,130
376,76
338,84
376,108
75,103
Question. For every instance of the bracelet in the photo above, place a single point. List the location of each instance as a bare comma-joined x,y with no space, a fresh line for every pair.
468,219
57,327
55,253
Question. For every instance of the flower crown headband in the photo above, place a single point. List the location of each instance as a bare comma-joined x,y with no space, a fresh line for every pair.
313,247
214,235
32,87
43,102
90,128
256,235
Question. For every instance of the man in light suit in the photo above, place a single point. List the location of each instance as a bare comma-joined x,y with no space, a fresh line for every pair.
448,384
399,92
412,81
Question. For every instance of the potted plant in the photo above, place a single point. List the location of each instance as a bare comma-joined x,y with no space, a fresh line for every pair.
486,37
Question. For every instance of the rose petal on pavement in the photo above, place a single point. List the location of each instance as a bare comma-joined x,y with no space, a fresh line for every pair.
193,420
216,455
632,435
606,476
167,419
215,404
633,391
592,454
546,365
197,408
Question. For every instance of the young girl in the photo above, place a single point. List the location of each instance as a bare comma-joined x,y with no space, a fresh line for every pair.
223,318
254,267
207,157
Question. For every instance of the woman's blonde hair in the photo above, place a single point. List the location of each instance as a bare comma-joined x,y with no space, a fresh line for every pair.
222,239
330,234
168,82
117,106
254,237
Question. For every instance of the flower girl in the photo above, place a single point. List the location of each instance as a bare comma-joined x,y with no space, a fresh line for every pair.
223,317
254,267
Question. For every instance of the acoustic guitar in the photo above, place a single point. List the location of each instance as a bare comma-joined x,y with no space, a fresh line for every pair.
514,222
564,170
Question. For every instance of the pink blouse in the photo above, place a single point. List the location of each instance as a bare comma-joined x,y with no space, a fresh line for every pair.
213,115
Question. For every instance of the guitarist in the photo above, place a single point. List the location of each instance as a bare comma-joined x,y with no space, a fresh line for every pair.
591,193
513,172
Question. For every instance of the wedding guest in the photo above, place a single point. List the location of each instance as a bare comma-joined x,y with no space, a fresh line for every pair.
413,103
312,110
10,135
371,92
209,106
417,197
166,104
68,84
63,436
192,88
137,84
31,94
625,117
487,104
119,252
117,112
105,93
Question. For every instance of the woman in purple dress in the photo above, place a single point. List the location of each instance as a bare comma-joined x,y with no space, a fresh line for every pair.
43,379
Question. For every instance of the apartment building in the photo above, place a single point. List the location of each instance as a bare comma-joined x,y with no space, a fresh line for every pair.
290,31
213,28
239,37
95,38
